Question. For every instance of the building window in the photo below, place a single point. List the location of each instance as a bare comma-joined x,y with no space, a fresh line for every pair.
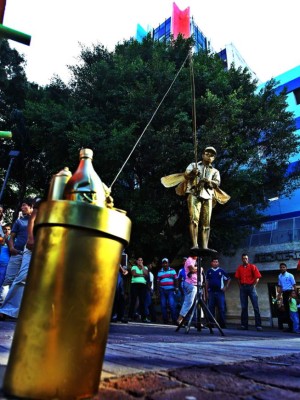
261,239
297,95
162,31
276,232
297,229
284,236
268,226
285,224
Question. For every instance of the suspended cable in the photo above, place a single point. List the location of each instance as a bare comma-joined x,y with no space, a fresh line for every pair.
194,121
146,127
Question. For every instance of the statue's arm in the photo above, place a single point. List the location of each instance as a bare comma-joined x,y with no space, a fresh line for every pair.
214,181
191,172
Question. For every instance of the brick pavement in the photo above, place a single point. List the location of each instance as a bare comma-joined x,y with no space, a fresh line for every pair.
151,362
263,379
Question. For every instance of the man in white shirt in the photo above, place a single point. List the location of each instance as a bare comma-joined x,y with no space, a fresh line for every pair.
286,283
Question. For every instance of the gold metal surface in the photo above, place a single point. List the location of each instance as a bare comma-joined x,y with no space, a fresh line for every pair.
61,333
200,182
58,183
60,338
83,215
85,185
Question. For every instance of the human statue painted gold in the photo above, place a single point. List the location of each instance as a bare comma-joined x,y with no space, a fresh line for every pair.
200,182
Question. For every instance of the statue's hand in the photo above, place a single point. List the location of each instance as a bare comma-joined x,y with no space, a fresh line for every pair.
194,172
212,184
205,180
208,182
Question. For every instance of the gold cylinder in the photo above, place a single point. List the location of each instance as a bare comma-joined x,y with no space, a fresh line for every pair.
58,184
60,338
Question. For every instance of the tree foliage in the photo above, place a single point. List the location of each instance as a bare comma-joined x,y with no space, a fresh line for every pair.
13,88
113,97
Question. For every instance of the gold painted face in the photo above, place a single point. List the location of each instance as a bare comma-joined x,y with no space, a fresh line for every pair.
208,156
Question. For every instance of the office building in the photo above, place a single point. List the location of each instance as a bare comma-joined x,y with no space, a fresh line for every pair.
278,239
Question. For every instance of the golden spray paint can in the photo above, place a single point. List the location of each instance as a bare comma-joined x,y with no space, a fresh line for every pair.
60,338
58,184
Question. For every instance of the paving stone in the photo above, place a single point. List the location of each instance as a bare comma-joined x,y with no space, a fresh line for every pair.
140,384
265,366
192,393
274,379
111,394
216,382
276,393
152,362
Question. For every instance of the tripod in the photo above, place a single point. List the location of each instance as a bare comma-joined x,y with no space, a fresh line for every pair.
198,305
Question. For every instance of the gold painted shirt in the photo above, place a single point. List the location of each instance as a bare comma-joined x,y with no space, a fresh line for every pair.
200,189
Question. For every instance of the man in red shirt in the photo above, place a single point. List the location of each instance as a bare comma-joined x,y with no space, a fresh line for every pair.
248,277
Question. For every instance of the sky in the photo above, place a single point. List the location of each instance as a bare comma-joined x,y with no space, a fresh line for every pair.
265,32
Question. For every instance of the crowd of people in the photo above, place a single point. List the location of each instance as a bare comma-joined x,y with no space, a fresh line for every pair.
148,286
175,293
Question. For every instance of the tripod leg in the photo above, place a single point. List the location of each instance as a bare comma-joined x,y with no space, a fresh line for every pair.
210,317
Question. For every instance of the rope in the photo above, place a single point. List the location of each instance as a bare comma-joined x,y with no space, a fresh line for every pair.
151,119
194,122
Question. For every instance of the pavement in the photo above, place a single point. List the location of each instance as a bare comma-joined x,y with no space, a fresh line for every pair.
154,362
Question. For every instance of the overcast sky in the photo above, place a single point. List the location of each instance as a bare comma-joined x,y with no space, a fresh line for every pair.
265,32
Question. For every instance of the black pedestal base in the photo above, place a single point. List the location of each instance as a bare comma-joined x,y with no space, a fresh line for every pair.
195,251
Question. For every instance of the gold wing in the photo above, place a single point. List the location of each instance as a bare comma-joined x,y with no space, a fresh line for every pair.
220,196
172,180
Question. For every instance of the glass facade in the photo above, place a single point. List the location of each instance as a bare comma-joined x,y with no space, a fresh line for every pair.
163,31
200,39
223,55
276,232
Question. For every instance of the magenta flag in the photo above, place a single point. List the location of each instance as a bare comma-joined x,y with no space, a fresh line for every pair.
181,22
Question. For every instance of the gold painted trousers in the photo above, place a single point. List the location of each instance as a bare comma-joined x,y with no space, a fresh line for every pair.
200,211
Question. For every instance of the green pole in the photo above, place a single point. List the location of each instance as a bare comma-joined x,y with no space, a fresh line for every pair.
8,33
5,134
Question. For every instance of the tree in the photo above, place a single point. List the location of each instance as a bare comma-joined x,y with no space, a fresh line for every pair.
13,86
230,116
111,99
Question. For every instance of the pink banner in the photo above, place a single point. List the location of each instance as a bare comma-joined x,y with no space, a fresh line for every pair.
181,22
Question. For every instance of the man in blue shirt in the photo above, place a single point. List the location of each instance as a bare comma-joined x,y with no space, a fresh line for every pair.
167,283
217,282
18,264
17,242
